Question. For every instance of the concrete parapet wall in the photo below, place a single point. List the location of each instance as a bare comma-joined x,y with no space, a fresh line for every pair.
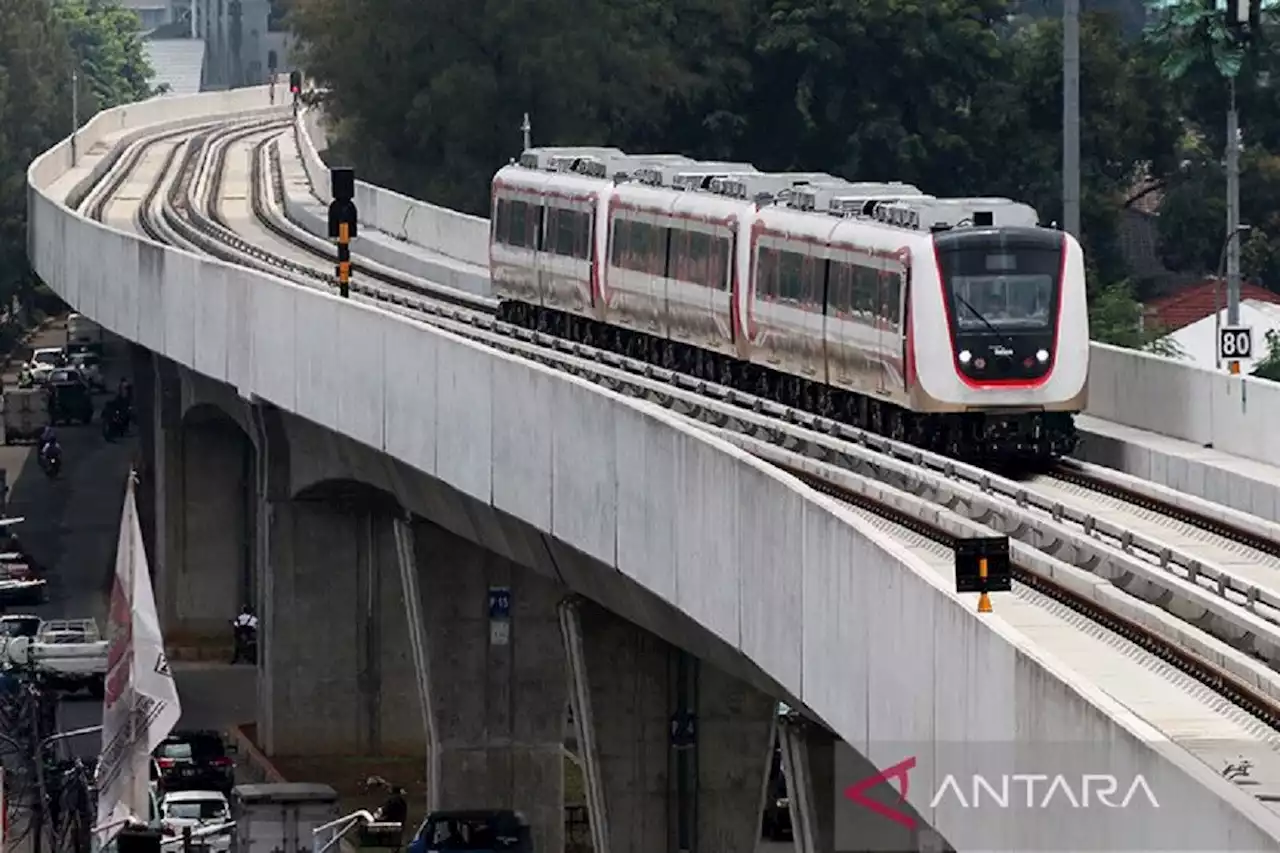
438,229
305,211
839,615
1206,407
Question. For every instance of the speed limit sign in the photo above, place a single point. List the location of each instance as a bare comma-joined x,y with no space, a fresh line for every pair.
1235,342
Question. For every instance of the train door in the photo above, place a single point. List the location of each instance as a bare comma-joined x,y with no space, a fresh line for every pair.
904,326
880,319
535,239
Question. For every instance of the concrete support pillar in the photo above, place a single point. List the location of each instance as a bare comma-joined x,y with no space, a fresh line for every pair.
167,481
808,763
336,670
683,750
496,682
214,472
142,370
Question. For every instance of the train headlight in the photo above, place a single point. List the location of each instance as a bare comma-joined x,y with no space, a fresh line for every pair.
1042,356
965,356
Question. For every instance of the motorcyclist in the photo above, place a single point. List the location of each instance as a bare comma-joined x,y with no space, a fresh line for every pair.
121,405
49,447
246,628
50,451
25,379
395,809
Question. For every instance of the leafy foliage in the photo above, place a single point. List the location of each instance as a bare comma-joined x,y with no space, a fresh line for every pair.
1115,317
40,41
1268,367
107,39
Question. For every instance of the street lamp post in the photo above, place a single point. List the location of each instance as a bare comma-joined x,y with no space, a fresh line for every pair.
1231,243
1230,247
1071,117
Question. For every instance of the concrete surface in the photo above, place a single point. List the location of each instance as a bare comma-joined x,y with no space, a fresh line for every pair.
623,490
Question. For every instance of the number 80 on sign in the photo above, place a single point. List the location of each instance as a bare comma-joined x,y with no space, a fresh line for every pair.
1235,342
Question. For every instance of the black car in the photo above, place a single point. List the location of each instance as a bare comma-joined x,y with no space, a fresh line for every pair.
195,761
70,398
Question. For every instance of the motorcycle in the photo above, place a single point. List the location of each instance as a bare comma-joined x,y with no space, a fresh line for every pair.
246,643
115,422
51,460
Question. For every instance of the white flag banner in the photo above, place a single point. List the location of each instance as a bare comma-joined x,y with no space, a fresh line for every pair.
140,701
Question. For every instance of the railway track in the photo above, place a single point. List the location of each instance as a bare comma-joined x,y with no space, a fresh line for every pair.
1062,524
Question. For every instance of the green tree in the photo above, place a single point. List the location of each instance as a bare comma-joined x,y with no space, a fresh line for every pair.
1194,208
434,107
1268,367
36,61
1129,127
35,111
107,39
1115,317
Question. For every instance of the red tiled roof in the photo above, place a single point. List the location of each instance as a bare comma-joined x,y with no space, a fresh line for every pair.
1197,301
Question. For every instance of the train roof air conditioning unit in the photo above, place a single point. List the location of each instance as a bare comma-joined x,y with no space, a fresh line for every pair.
543,158
649,176
938,214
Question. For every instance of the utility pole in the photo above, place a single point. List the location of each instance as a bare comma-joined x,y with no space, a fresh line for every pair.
1071,117
75,113
527,129
1233,214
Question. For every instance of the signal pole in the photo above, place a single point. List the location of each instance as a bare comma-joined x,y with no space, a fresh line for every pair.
1233,215
342,223
1071,117
1243,17
295,87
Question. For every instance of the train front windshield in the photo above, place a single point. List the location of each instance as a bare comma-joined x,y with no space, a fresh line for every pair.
1002,287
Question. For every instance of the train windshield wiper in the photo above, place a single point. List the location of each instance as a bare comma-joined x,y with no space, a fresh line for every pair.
978,314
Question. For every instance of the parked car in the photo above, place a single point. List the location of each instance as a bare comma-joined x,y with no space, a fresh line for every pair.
197,810
195,761
479,831
90,366
44,361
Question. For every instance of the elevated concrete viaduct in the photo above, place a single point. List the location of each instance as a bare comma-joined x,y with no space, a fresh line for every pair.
398,462
257,505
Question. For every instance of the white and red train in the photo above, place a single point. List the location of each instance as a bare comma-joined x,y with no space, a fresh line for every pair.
956,324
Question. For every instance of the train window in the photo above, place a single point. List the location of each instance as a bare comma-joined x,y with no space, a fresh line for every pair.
499,225
641,247
718,263
866,291
565,232
767,273
811,280
890,296
840,290
681,261
518,223
620,243
791,277
699,248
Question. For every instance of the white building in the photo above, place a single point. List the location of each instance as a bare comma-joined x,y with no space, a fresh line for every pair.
1198,342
